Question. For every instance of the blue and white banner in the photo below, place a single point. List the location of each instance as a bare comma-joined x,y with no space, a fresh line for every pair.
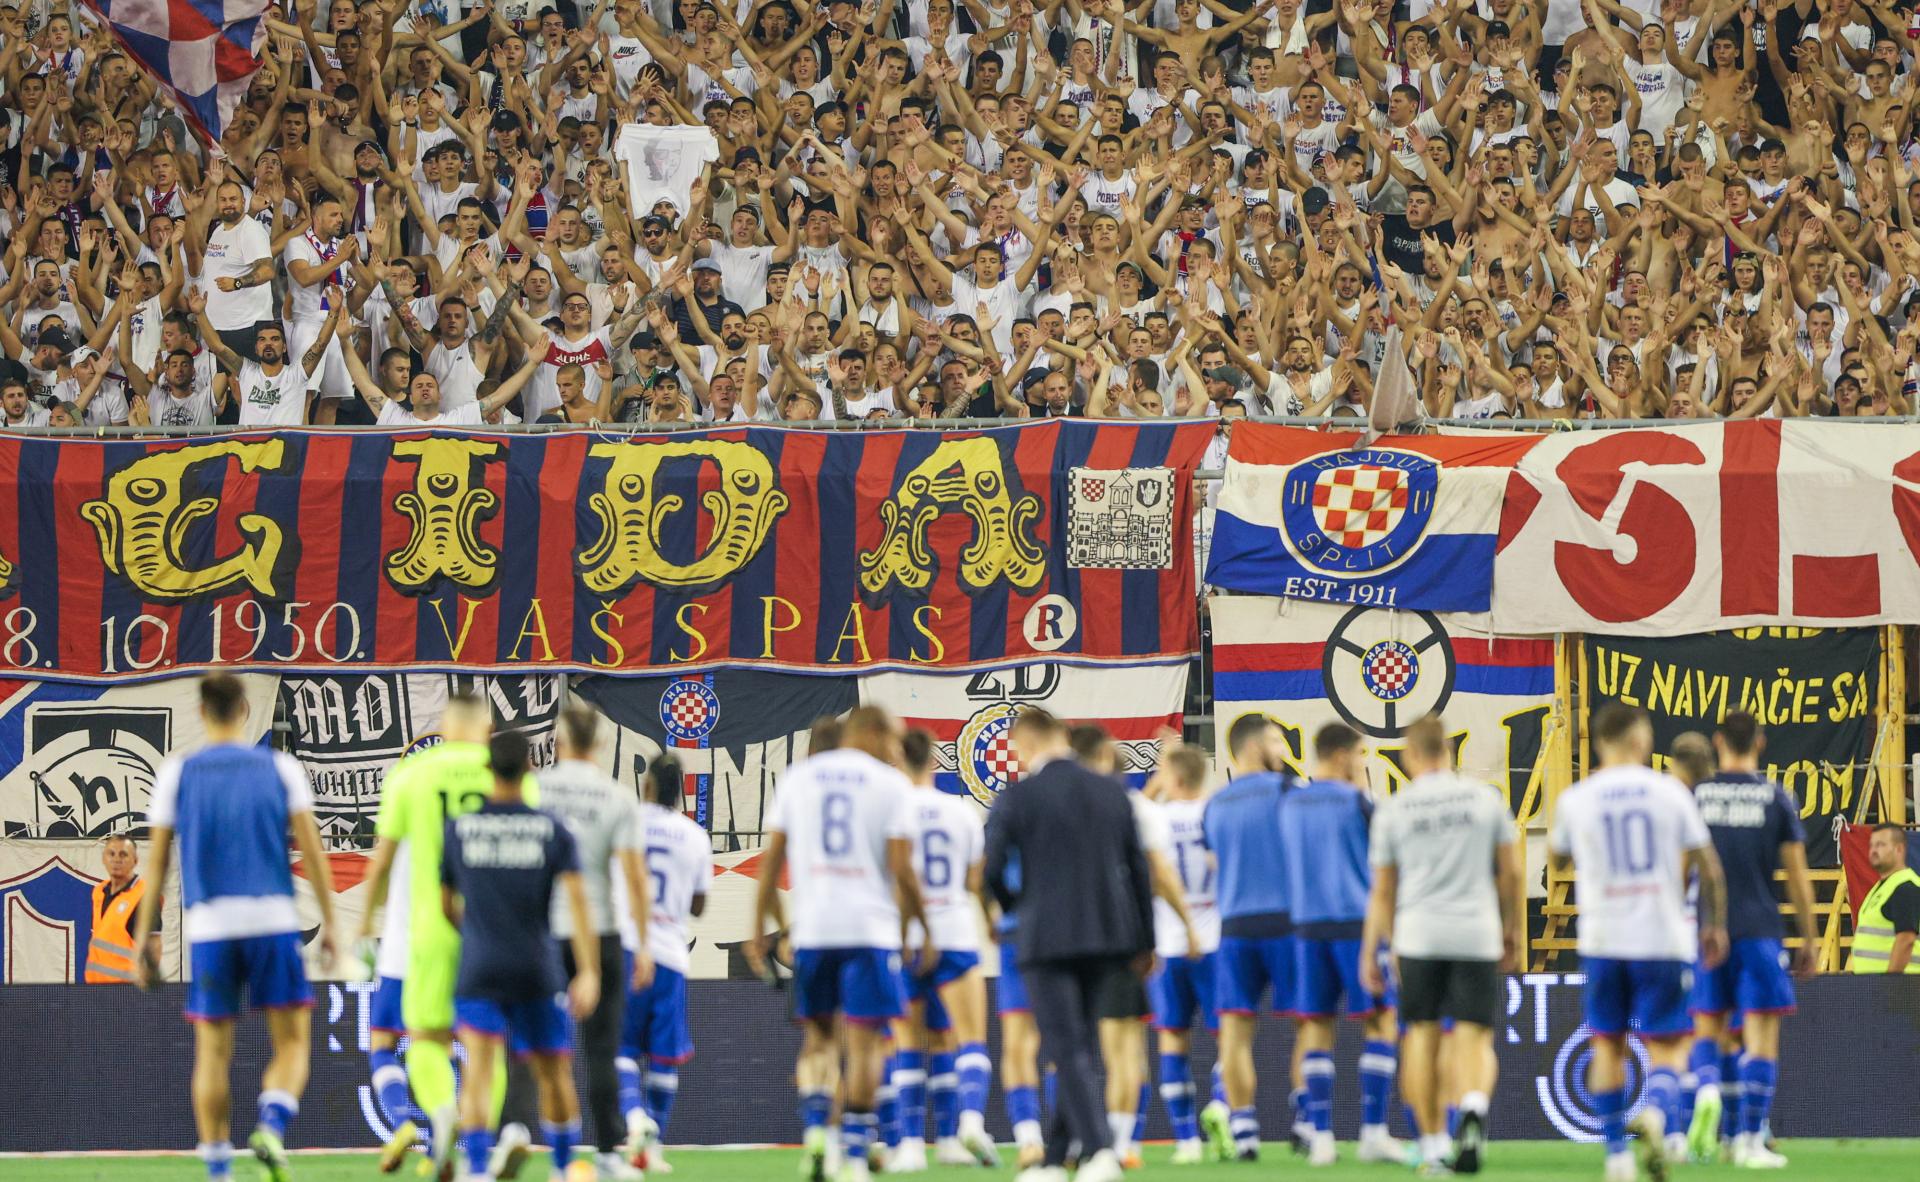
1409,522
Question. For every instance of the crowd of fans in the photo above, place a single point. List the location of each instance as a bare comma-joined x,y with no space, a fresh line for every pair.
927,209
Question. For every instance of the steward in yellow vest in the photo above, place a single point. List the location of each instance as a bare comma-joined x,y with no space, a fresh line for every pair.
116,902
1889,918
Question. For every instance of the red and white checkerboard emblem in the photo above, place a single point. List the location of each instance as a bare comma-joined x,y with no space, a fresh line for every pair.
689,710
1389,670
1358,505
988,762
1093,490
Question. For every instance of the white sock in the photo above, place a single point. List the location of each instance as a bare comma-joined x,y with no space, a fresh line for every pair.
1120,1124
1434,1146
1373,1132
1474,1102
1027,1133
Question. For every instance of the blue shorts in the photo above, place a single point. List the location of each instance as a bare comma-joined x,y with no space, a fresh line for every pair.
385,1015
266,968
925,987
1182,989
861,984
1010,995
1327,970
656,1023
1754,980
1246,965
538,1027
1647,996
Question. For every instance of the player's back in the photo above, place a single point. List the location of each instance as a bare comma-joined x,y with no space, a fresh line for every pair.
419,796
230,806
1442,834
1749,818
1242,824
838,810
1323,842
1185,822
948,839
503,859
679,856
1628,830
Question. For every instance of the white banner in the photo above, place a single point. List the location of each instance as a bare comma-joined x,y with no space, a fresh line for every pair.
1673,531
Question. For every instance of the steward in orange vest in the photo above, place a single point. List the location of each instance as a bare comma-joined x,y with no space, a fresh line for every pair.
116,902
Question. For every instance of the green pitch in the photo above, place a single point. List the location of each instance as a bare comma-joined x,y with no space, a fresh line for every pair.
1523,1161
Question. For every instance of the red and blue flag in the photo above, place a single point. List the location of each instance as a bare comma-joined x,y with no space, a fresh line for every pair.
205,51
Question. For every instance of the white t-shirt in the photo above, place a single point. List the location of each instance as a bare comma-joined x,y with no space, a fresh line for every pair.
231,253
279,400
679,858
195,410
1627,829
465,415
838,810
1187,850
1441,832
948,840
391,960
307,300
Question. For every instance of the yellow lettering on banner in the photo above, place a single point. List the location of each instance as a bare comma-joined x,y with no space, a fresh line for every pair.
1614,672
636,517
768,628
680,618
535,625
966,475
446,505
594,622
144,519
855,629
937,651
455,647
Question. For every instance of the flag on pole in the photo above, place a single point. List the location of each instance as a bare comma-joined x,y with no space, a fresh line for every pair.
205,52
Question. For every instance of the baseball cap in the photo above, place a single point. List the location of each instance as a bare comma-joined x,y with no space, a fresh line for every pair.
752,207
706,265
55,338
654,220
1033,378
1314,200
752,154
505,121
1229,374
84,353
363,144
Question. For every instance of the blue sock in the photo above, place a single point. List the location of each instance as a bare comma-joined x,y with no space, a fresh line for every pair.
1453,1120
943,1094
1732,1086
1023,1104
560,1141
1050,1088
477,1144
856,1133
277,1109
1316,1071
1663,1093
886,1111
1244,1124
1176,1092
218,1155
1219,1085
1140,1113
815,1108
1757,1078
1377,1062
1611,1108
910,1093
976,1075
1703,1063
390,1085
663,1088
627,1069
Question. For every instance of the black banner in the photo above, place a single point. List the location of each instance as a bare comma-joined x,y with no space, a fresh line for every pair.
1814,690
67,1046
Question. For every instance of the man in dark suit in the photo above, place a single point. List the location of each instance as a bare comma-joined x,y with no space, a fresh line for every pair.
1084,902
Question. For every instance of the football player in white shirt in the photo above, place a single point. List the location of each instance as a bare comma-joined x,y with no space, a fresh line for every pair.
841,819
947,1001
680,861
1635,836
1181,989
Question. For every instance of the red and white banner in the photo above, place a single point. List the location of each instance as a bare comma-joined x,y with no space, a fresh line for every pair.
1668,531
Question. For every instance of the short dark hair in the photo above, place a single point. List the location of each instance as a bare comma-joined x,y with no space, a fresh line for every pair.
824,734
1890,827
1428,737
1333,738
1740,731
1038,721
1615,721
1087,739
916,748
1245,730
666,783
508,755
222,697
